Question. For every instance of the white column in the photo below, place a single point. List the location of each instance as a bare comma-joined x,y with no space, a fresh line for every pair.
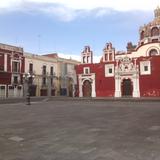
20,64
136,92
117,87
11,65
5,62
93,88
80,89
80,86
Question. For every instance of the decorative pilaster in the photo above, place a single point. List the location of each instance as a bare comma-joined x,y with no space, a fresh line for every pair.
80,88
93,87
117,86
136,92
5,62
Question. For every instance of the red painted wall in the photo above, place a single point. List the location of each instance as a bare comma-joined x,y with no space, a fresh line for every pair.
8,63
1,62
5,78
105,86
150,84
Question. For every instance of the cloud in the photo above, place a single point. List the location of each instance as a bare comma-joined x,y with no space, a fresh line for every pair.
96,59
68,10
61,12
120,5
69,56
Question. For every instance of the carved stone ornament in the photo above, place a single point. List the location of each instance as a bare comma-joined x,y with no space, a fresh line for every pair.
126,65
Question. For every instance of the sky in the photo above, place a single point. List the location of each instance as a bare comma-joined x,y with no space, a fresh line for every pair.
66,26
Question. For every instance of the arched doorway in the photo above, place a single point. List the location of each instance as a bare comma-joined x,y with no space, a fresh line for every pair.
87,88
127,87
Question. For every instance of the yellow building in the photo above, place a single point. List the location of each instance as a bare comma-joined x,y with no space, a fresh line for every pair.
49,75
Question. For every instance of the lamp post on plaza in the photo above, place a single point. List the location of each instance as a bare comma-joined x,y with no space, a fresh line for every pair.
51,83
28,79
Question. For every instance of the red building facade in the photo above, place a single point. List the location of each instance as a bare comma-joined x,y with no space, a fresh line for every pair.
134,73
11,71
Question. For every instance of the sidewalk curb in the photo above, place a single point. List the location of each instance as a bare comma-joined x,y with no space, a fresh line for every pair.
96,99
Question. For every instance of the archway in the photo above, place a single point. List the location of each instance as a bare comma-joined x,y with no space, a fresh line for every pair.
127,87
87,88
153,52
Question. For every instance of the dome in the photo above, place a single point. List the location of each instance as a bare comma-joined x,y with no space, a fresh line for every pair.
151,31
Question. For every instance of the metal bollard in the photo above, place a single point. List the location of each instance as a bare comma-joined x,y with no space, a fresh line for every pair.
28,99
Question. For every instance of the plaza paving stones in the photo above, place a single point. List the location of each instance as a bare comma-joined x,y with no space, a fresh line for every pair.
80,130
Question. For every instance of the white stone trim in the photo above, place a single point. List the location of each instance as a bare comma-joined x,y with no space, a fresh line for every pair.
107,67
91,78
86,68
5,62
3,94
132,73
18,61
142,67
150,48
10,91
117,86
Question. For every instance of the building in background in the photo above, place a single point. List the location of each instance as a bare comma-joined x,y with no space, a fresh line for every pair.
134,73
66,75
43,71
11,71
24,73
50,75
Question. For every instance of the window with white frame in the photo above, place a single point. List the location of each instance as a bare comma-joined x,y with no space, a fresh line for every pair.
86,70
145,68
30,67
51,70
15,66
44,70
109,70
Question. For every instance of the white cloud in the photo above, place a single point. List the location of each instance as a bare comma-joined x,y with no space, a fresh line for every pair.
67,10
61,12
121,5
96,59
69,56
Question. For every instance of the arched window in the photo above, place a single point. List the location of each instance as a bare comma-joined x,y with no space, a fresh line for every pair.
106,57
154,31
153,52
84,58
142,35
110,56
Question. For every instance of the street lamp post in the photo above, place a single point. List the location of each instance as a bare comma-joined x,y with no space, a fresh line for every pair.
28,78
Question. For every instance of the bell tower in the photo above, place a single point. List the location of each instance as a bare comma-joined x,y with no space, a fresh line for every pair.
108,53
87,55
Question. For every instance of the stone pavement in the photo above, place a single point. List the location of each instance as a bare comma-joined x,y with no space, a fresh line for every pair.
80,130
